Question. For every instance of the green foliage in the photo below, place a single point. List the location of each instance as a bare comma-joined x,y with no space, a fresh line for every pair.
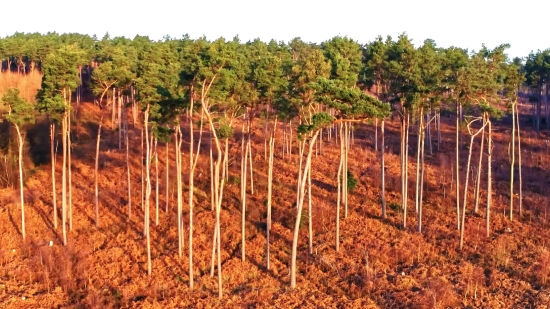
224,131
351,181
318,121
20,112
236,180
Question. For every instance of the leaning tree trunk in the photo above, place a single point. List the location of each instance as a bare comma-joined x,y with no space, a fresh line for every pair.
465,198
96,173
299,211
478,180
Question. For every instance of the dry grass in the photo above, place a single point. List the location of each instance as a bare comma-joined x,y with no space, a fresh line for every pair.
28,85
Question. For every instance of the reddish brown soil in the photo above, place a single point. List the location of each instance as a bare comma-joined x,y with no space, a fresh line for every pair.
380,265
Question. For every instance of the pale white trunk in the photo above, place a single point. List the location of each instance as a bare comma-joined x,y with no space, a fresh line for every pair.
299,211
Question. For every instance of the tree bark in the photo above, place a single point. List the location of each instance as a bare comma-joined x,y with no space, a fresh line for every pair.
299,211
52,154
383,170
339,177
478,180
148,189
21,187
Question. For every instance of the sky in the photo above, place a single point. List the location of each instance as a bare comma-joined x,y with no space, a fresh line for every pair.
465,23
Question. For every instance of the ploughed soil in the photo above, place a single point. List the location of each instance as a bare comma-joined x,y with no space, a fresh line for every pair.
381,264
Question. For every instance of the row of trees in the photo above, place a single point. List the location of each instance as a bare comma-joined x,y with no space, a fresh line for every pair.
324,88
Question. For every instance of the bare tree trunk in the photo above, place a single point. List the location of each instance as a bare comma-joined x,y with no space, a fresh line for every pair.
420,182
21,187
418,155
489,168
340,177
519,163
96,174
472,137
310,213
479,166
407,160
438,130
270,188
513,158
156,182
383,170
457,164
344,138
128,182
429,132
299,211
64,180
244,161
179,185
69,150
376,135
52,154
403,171
167,194
141,164
148,190
119,105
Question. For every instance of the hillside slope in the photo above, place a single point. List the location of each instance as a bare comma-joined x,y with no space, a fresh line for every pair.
380,264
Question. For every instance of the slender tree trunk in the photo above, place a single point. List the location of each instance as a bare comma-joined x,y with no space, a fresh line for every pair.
244,161
479,166
179,184
96,173
340,168
148,190
429,132
465,199
383,170
345,171
64,180
270,188
299,212
420,183
156,182
513,158
69,151
407,160
21,187
128,182
418,155
376,135
457,164
438,130
489,167
403,170
310,212
167,194
119,105
519,164
52,154
141,164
